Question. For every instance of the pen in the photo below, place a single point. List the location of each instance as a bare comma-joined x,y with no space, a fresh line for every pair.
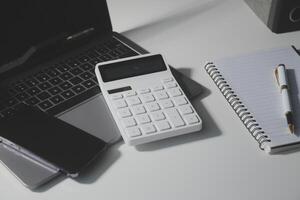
281,77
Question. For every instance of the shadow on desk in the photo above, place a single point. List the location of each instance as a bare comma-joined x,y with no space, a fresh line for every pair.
191,88
93,172
209,130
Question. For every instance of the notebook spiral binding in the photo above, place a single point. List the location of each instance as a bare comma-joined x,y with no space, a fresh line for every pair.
246,117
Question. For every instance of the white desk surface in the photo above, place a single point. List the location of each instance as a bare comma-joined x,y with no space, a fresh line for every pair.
220,162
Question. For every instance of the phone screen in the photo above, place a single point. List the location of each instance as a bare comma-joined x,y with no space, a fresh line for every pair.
65,146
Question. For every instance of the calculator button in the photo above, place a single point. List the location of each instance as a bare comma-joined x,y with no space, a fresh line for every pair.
191,119
174,117
166,104
152,107
120,104
133,132
161,95
144,91
158,88
184,110
138,110
157,116
180,101
166,80
129,93
128,122
148,128
147,98
170,85
125,112
133,101
116,96
163,125
174,92
143,119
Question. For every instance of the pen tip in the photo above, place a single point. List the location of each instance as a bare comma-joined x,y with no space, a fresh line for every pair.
292,128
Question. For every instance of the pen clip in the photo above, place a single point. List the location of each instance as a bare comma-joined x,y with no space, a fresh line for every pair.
277,76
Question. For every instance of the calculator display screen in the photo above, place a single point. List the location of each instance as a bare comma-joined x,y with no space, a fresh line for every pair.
131,68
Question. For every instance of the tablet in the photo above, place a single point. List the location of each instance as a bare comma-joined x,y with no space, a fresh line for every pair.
50,141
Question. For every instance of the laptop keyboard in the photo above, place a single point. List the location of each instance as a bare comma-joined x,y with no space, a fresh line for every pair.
64,84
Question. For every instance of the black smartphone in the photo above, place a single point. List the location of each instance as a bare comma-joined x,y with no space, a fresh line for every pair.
50,140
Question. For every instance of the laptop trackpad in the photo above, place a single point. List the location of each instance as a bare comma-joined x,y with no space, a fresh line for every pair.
95,118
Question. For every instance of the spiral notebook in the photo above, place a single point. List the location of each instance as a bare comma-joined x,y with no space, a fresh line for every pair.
249,85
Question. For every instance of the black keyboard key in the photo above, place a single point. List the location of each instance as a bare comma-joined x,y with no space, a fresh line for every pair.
18,106
31,82
79,98
112,44
92,71
43,95
62,68
45,105
20,87
22,96
54,90
75,80
33,91
128,54
10,102
73,63
76,71
123,49
78,89
88,83
56,99
95,61
86,66
86,75
32,101
84,59
44,86
106,57
102,50
8,112
65,85
53,72
113,54
92,54
68,94
66,76
118,52
55,81
42,77
95,79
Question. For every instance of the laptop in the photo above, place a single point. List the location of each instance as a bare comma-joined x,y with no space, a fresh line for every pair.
48,53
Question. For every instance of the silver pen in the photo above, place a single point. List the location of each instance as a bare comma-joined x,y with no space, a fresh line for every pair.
281,77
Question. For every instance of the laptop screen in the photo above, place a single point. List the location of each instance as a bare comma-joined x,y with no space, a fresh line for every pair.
26,24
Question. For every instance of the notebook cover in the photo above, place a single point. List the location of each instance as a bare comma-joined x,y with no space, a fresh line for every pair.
248,83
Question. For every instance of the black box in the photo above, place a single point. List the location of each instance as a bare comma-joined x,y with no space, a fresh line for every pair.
279,15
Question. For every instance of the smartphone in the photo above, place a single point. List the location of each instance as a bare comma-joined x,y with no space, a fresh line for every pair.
50,141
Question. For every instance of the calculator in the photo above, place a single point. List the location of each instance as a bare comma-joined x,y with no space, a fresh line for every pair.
145,100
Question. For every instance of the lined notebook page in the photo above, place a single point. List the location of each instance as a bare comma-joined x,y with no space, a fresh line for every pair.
252,78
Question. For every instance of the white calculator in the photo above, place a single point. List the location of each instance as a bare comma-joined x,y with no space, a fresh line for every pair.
145,100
